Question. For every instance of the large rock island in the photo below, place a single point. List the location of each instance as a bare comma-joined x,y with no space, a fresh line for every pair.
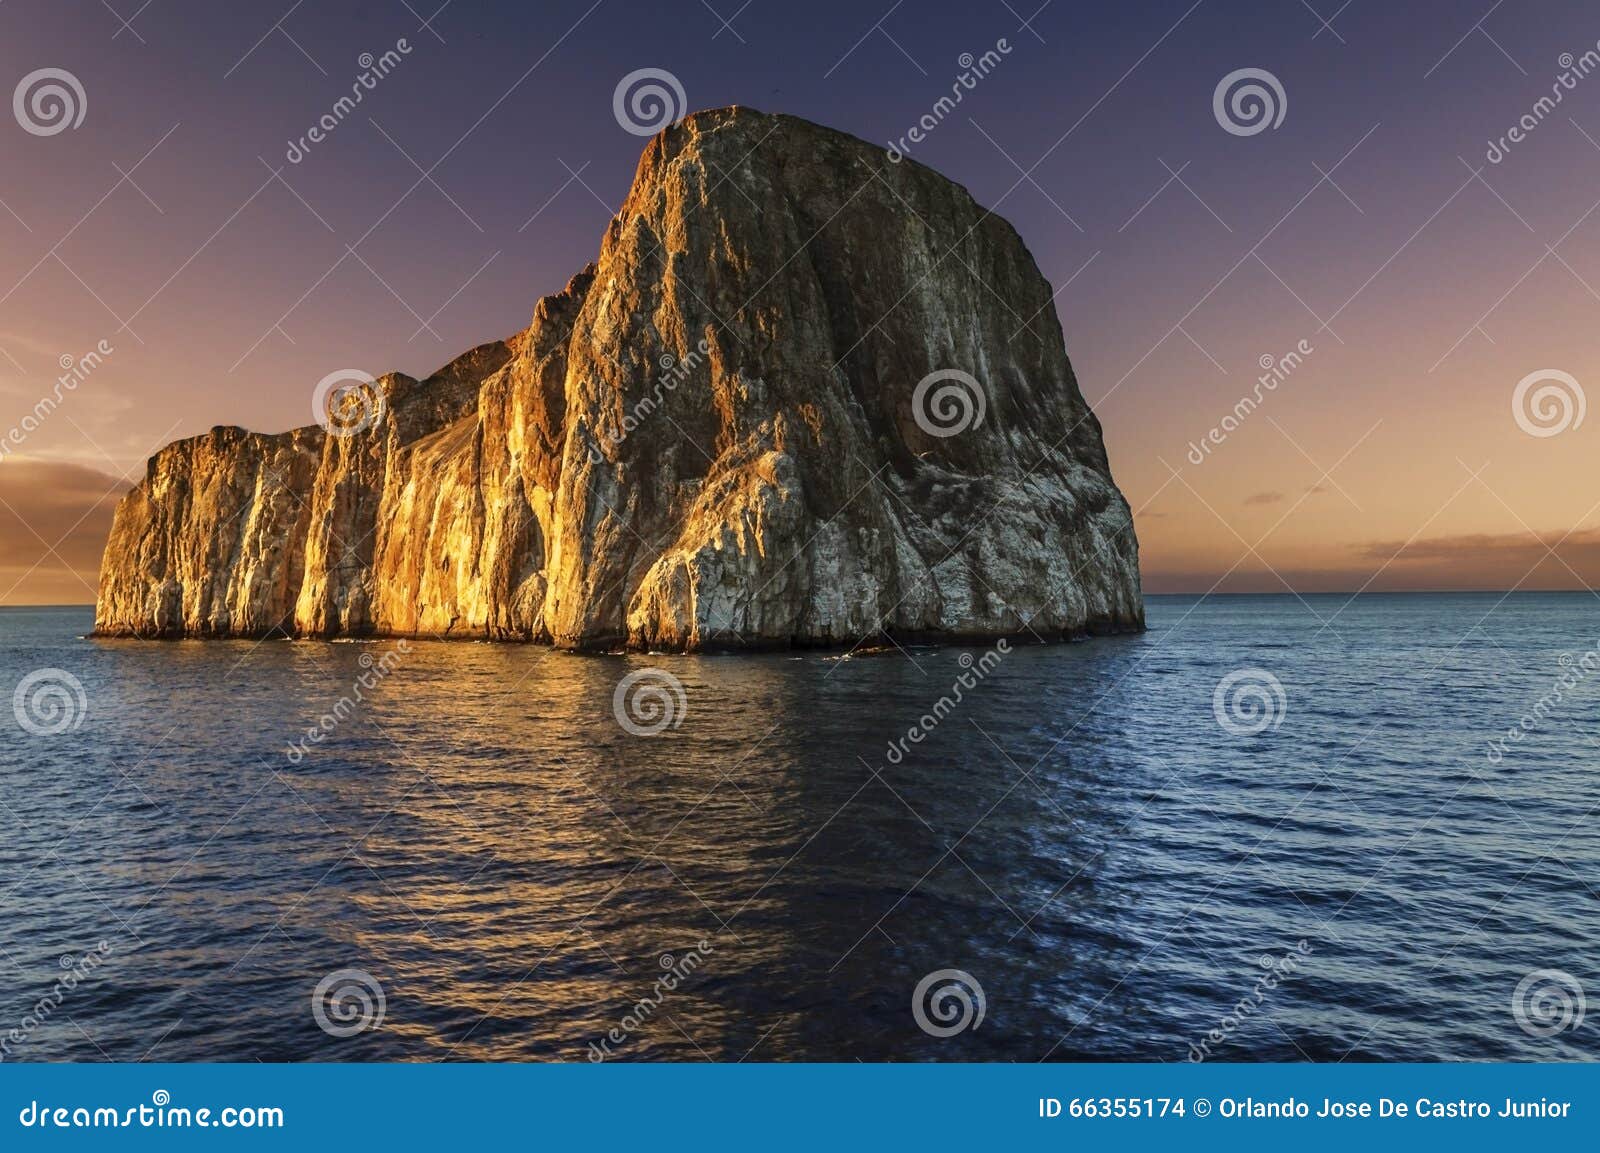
806,396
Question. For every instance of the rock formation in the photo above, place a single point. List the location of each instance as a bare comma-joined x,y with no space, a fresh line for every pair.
806,396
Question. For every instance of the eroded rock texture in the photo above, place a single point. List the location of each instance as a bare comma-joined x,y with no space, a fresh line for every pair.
722,434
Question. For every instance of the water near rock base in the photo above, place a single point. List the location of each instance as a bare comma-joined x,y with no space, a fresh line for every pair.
1094,836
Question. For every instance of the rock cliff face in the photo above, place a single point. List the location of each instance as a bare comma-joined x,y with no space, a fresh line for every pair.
806,396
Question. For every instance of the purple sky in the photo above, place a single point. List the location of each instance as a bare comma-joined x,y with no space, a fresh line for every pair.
479,174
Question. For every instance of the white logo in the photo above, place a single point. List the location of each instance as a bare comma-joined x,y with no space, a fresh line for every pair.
1256,104
1548,402
49,101
656,102
1249,701
649,702
347,1002
1547,1002
347,402
952,998
948,402
50,701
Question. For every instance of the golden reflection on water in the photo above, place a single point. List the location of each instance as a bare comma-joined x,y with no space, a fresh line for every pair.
476,829
482,836
540,858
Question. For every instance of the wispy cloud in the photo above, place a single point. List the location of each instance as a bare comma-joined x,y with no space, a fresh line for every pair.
1496,560
1464,562
54,520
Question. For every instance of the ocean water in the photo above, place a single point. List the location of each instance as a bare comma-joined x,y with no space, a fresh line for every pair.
1271,828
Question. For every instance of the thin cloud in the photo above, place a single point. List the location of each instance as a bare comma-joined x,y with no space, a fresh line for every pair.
1583,545
1547,560
1462,563
54,520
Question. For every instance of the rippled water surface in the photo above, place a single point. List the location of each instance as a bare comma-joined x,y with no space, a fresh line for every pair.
1078,833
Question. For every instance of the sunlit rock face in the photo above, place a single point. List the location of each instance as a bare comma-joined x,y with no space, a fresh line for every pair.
212,541
805,396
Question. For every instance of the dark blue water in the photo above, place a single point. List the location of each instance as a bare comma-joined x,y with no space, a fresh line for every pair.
1124,876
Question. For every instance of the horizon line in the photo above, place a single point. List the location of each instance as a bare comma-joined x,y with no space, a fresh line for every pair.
1204,595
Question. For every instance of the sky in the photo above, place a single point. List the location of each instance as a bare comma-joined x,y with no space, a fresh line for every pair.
1380,223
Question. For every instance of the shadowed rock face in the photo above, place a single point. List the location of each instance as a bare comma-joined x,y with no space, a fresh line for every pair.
722,434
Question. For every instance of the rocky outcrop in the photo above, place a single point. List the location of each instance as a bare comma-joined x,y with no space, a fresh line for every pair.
212,542
805,396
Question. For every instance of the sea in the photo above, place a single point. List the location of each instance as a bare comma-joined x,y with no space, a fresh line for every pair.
1271,828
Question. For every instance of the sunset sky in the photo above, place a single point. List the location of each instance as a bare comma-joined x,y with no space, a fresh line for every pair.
480,174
